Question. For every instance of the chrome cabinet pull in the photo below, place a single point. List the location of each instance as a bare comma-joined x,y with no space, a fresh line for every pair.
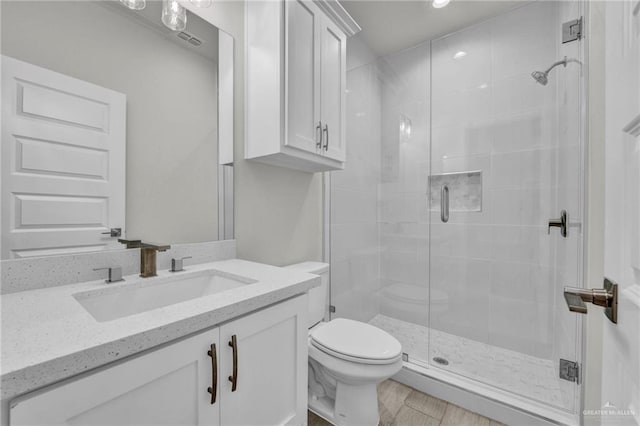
444,204
234,377
326,142
319,139
213,389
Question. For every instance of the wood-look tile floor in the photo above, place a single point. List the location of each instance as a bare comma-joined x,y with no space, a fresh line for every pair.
403,406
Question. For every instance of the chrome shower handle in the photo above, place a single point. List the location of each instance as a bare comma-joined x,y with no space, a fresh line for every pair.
444,204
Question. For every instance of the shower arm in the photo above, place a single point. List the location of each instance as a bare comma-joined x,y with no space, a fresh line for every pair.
563,62
555,64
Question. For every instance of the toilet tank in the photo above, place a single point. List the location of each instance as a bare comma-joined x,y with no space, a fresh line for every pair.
318,296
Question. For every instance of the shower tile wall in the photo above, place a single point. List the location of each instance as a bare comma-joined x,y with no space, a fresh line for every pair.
354,201
403,195
496,266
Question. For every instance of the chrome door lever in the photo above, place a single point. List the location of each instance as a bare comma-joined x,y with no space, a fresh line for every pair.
113,232
562,223
606,297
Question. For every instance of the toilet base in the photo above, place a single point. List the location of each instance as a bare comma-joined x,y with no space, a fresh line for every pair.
354,405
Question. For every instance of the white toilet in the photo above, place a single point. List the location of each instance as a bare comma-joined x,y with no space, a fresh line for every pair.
347,360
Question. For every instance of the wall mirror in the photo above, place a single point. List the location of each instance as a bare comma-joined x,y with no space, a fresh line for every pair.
113,124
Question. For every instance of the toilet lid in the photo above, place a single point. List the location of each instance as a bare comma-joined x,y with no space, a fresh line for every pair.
356,340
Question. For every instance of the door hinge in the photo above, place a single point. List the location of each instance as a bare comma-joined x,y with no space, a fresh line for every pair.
332,309
570,370
572,30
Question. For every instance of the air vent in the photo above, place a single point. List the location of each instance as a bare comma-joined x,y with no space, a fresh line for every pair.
189,38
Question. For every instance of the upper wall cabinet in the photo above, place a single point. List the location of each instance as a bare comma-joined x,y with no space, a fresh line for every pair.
296,83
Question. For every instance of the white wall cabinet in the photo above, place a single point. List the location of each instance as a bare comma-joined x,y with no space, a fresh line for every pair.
296,83
171,385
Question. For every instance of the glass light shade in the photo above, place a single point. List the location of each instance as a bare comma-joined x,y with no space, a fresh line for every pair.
174,16
440,3
134,4
201,3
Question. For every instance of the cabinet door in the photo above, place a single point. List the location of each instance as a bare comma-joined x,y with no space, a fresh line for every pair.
271,348
333,86
165,387
302,91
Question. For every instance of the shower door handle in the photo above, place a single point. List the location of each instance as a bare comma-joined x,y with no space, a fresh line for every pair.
444,204
562,223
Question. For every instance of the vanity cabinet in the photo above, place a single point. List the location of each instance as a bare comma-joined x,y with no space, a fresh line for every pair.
296,83
174,384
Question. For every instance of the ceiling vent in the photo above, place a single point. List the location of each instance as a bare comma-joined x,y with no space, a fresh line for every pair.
189,38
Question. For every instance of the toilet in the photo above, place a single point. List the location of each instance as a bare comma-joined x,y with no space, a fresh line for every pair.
347,359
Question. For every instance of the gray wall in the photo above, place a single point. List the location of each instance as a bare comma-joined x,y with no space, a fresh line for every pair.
278,211
171,121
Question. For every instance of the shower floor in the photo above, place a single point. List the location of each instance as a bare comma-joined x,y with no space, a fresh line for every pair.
512,371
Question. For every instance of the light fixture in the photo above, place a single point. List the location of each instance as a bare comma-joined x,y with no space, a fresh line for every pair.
134,4
174,16
440,3
405,128
201,3
460,54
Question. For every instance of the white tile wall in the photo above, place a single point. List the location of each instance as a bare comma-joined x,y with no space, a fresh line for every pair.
354,201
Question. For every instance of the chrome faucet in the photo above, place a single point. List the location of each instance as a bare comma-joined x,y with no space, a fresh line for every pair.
177,264
147,255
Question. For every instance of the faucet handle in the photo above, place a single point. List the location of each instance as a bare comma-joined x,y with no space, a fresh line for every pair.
115,274
177,264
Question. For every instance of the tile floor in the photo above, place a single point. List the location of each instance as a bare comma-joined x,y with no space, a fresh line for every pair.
400,405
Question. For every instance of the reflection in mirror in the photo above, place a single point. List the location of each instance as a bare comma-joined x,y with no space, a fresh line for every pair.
110,127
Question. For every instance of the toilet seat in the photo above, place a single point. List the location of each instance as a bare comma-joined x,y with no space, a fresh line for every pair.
356,342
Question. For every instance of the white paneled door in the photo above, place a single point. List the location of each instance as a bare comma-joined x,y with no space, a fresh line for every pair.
621,342
63,162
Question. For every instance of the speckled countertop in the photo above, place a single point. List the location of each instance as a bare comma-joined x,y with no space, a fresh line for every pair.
48,336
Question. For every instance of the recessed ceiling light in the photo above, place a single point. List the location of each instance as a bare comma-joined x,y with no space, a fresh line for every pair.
440,3
460,54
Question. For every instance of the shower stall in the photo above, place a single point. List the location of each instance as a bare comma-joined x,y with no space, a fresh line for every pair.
442,229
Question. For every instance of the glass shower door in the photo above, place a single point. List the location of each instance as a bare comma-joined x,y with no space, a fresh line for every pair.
506,157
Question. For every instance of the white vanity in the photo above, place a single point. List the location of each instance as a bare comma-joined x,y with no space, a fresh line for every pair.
227,346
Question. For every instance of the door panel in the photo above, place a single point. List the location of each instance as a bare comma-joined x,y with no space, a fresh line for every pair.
333,90
63,162
506,158
303,68
271,366
165,387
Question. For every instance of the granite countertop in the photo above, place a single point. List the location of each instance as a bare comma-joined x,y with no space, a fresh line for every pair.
48,336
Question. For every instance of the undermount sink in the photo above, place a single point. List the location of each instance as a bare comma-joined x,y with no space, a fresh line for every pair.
152,293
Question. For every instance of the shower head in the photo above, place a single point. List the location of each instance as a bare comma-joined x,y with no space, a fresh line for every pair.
542,76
